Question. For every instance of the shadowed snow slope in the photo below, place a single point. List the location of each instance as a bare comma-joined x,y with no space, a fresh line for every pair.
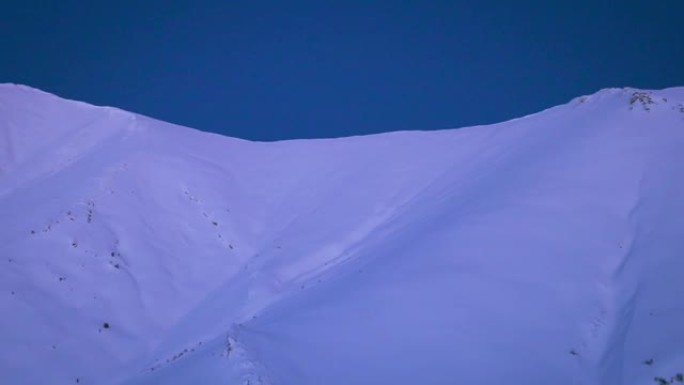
544,250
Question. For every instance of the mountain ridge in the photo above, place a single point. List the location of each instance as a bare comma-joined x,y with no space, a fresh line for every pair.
676,92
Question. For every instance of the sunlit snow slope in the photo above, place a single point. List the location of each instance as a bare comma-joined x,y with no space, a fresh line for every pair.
544,250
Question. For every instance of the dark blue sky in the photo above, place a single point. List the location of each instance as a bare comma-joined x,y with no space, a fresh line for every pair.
291,69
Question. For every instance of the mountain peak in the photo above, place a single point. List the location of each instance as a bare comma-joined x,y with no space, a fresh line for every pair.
632,98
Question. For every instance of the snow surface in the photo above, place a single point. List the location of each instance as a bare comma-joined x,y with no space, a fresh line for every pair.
544,250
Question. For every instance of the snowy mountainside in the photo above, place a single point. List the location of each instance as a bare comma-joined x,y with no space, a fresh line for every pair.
546,249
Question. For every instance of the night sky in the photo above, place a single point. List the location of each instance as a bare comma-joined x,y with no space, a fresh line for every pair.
269,70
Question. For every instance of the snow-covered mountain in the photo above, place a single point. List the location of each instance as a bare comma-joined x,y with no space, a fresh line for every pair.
543,250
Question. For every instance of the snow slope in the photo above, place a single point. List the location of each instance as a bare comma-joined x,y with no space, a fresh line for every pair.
544,250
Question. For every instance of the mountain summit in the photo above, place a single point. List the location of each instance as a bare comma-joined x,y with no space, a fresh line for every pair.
543,250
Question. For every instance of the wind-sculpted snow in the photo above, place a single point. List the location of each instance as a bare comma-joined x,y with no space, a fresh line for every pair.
547,249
